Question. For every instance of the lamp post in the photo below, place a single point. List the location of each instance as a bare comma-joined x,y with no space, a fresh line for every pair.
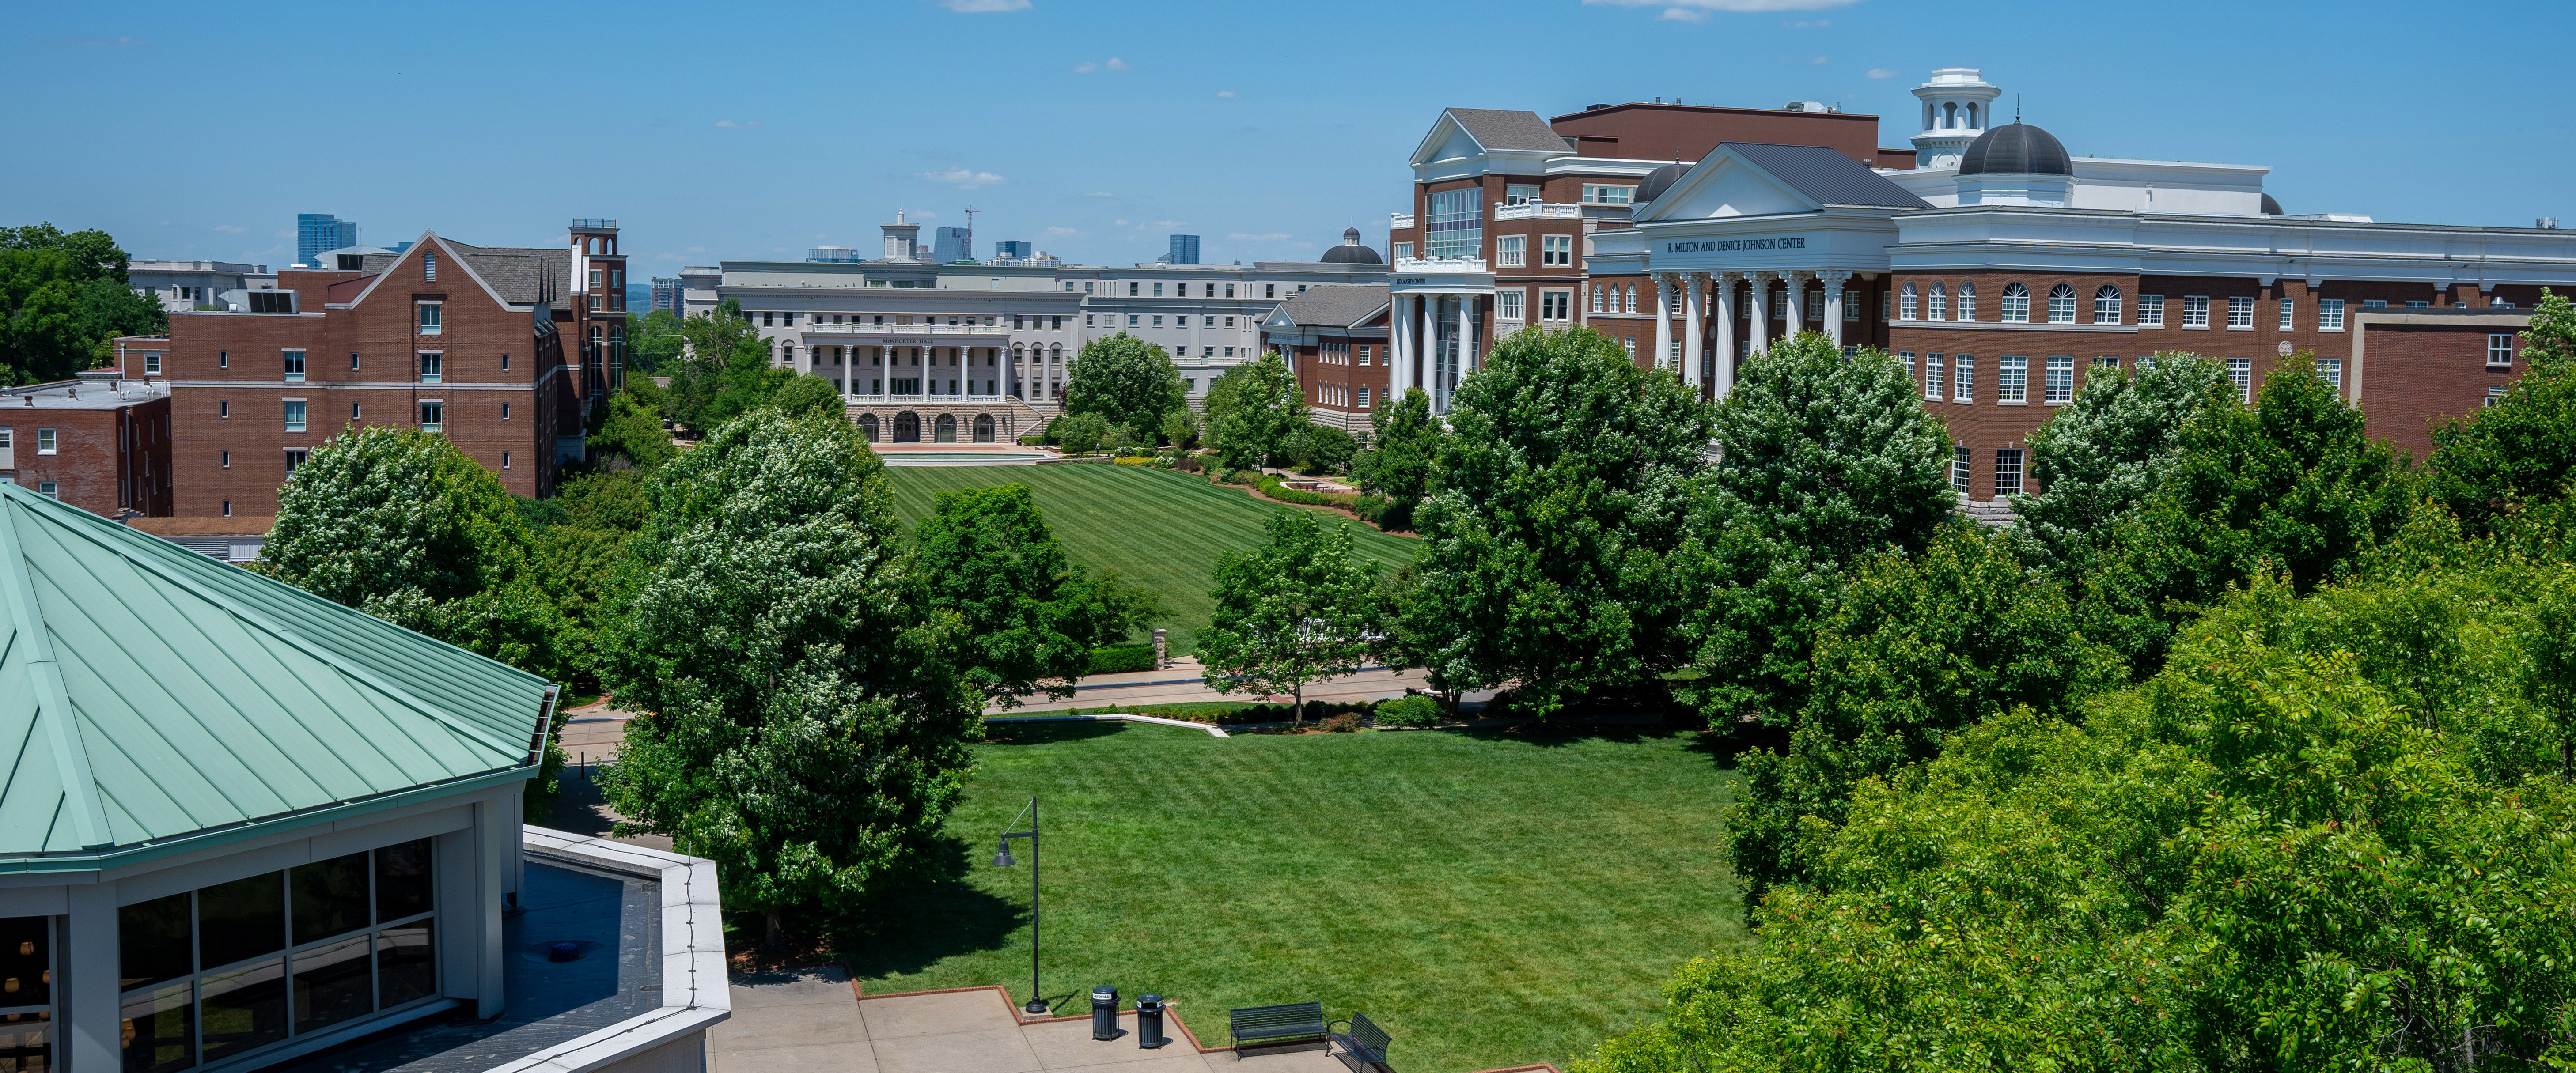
1037,1006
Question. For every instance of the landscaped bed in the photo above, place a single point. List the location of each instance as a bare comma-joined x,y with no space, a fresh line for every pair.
1156,528
1490,899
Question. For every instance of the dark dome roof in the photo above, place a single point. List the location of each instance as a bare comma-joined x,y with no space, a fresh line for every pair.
2015,149
1658,181
2271,207
1350,252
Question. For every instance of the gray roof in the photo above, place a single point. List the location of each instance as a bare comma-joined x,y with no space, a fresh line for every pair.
1826,175
513,271
1339,305
1501,128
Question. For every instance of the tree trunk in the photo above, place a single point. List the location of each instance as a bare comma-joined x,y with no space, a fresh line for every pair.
1298,717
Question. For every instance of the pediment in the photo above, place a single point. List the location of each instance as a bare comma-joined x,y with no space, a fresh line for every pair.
1724,184
1447,140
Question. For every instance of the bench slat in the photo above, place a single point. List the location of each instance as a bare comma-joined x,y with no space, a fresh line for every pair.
1291,1021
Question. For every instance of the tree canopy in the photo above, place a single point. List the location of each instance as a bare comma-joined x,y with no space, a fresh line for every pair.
1298,609
1261,414
1029,617
1404,446
63,301
2523,446
1125,380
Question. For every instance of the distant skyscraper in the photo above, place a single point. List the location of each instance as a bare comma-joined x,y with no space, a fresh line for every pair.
1185,249
1009,248
949,244
316,232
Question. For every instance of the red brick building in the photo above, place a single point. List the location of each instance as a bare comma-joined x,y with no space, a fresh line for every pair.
98,443
500,349
1334,338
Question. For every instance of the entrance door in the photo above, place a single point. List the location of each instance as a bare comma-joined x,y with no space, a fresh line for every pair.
1444,352
983,428
907,427
868,426
947,427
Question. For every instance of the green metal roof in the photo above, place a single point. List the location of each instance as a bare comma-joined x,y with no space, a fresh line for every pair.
152,699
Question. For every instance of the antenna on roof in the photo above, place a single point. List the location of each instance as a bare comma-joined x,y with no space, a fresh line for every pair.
2016,109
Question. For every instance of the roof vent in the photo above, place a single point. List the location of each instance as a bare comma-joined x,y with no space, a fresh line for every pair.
2546,223
1594,107
1803,106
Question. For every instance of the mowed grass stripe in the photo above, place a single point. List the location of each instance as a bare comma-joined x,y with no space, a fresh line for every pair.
1155,528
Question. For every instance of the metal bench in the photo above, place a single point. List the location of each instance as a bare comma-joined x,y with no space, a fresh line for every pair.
1362,1040
1296,1022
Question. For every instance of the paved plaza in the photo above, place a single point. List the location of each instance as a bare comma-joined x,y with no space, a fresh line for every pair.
813,1021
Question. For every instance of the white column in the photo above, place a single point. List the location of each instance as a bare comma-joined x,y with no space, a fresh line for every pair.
1834,305
1724,374
92,1037
1797,299
1466,334
1759,342
849,373
1663,316
1692,316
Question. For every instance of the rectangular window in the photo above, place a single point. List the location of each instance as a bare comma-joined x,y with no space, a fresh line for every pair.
1404,251
505,460
226,459
1851,308
223,359
294,415
1519,193
47,489
431,363
1907,356
2374,303
1364,398
1229,289
152,364
1936,385
2106,361
1456,227
505,363
2241,370
1959,460
429,267
1602,194
2240,314
1511,251
505,411
45,441
353,411
2061,379
224,408
294,365
432,415
2330,315
594,279
2419,304
2289,314
2151,311
1905,305
432,318
1555,305
1815,306
1132,318
1556,250
1507,305
2195,311
2499,350
2012,375
1158,290
2007,472
1158,320
1271,290
1964,383
2494,396
2330,371
295,457
1937,307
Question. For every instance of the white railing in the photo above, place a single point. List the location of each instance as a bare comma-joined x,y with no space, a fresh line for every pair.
1440,264
1399,221
1537,210
906,329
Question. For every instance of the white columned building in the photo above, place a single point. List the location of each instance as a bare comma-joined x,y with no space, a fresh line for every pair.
1439,301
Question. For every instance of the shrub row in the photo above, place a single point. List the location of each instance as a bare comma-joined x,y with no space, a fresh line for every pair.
1120,659
1370,508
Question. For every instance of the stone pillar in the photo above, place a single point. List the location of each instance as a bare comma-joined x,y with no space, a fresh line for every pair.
1759,341
1408,354
1796,313
1468,322
1724,375
1834,305
1663,282
1162,652
1692,316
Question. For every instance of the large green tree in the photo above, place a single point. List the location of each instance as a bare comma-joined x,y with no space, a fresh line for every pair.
2100,455
631,429
1264,412
1824,459
653,343
725,369
1125,380
809,727
1404,445
1298,609
1030,617
2523,446
1552,516
63,301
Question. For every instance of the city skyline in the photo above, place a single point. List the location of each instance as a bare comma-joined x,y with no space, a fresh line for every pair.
1094,135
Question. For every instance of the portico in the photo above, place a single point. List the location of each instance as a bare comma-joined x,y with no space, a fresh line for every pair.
1439,304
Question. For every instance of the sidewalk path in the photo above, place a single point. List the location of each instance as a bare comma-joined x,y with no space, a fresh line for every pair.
1185,682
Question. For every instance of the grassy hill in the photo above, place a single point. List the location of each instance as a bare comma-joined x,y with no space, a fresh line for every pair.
1156,528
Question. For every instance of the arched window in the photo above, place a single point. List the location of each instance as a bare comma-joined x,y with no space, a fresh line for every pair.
1950,115
868,426
1632,298
2061,304
1972,116
1967,300
1018,353
1596,298
2016,304
2106,305
1936,306
1055,354
983,428
1905,303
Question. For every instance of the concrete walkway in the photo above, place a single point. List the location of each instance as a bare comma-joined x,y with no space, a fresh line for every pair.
813,1021
1185,682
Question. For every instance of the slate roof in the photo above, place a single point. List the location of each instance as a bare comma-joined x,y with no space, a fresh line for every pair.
1826,175
1340,305
152,699
1502,128
516,272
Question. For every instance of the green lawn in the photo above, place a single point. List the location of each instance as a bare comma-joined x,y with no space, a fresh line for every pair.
1490,900
1156,528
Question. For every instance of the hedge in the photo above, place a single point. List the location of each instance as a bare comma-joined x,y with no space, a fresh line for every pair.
1368,507
1121,659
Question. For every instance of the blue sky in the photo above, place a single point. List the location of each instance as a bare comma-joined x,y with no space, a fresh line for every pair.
753,130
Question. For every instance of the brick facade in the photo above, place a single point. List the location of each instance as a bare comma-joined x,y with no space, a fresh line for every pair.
107,454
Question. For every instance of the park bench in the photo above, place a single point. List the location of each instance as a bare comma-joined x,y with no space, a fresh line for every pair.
1362,1040
1296,1022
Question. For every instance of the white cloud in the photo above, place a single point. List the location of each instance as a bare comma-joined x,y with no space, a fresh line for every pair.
1275,236
1225,93
286,234
1100,193
1116,64
230,229
1085,67
1881,72
923,214
981,7
744,125
963,178
1118,223
1088,66
1816,25
1061,232
668,257
1165,223
1698,10
695,249
1818,60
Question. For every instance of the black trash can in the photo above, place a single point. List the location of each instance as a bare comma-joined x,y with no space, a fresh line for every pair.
1149,1022
1104,1012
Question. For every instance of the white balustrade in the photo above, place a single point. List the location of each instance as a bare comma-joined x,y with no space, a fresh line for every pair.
1441,264
1537,210
1399,221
